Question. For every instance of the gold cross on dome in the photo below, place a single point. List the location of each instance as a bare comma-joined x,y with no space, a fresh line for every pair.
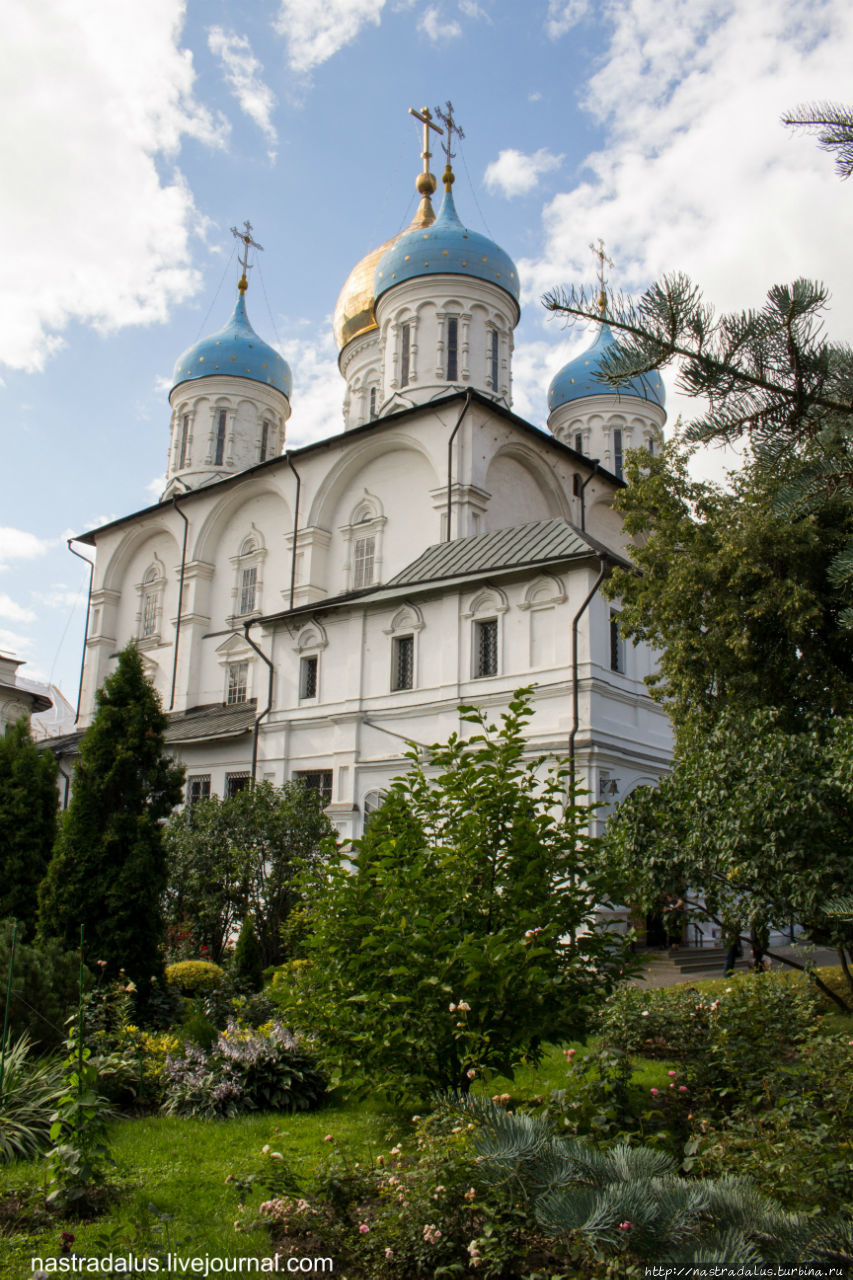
246,237
602,280
425,117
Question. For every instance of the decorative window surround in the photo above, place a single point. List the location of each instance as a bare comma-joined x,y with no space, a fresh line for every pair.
149,617
366,523
248,587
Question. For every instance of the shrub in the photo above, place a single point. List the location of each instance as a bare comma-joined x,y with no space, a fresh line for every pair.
245,1070
248,963
45,987
31,1087
730,1040
194,977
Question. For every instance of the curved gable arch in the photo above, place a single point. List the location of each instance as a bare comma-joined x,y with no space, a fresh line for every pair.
132,542
546,498
346,470
208,536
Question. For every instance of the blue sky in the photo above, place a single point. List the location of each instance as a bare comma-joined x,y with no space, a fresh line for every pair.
143,133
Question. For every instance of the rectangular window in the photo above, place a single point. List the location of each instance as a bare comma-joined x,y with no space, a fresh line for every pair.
486,648
402,662
219,449
235,782
372,403
238,679
248,583
617,646
405,354
308,677
452,350
651,446
185,433
618,457
198,788
149,614
265,440
362,562
578,442
493,358
319,780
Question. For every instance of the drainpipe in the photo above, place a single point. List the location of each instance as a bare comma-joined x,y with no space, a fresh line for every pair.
91,565
295,528
595,465
465,408
180,598
246,628
602,574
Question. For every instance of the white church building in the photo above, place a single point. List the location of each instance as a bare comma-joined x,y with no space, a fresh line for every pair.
306,613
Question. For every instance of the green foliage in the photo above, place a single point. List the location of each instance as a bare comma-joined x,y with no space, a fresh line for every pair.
248,963
629,1202
30,1088
759,817
466,933
736,595
731,1043
245,1070
833,125
792,1138
28,807
230,858
79,1156
108,870
192,977
45,986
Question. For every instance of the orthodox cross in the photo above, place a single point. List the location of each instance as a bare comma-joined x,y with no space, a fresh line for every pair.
603,260
425,117
246,237
451,127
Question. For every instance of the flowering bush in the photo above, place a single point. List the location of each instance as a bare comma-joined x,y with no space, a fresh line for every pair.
418,1209
728,1040
266,1069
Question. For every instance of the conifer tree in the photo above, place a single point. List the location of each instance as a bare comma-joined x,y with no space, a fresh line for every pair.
108,870
28,805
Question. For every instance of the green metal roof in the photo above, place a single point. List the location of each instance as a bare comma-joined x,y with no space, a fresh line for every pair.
522,544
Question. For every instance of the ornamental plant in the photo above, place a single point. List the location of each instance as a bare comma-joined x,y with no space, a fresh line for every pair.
266,1069
466,933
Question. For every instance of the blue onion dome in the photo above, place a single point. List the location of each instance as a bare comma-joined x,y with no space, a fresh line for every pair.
237,351
445,248
580,378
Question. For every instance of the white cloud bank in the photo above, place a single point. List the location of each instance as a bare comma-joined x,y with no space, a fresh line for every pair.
94,95
14,612
242,72
698,174
562,15
516,174
315,31
438,28
18,544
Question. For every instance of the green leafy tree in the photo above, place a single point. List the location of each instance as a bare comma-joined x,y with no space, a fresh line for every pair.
737,596
229,858
28,808
108,871
465,933
759,818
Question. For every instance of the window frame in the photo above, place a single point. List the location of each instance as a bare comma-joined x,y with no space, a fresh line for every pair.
219,437
309,677
236,681
325,789
240,776
616,644
479,631
452,349
401,669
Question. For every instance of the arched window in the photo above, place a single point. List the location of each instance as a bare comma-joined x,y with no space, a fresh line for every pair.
363,535
248,576
151,603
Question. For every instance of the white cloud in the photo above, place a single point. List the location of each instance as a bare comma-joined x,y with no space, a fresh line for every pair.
14,612
562,15
697,173
98,98
470,9
314,32
318,390
18,544
514,173
155,487
436,28
242,69
14,642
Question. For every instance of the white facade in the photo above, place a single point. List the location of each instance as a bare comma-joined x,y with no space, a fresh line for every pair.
310,611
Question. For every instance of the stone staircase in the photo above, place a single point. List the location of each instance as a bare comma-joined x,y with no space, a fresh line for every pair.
681,964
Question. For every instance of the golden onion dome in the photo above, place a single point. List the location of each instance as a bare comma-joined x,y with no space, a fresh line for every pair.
354,308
